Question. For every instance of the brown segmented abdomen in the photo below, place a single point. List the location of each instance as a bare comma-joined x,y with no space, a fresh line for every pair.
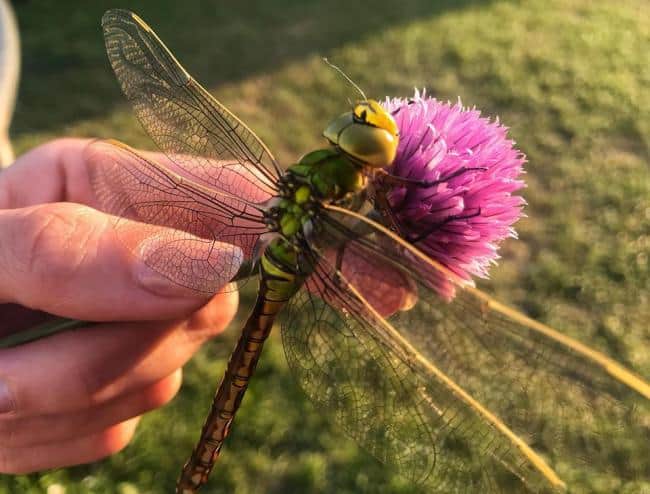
227,400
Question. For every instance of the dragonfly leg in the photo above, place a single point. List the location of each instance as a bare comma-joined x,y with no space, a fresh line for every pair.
340,252
436,226
393,180
247,269
388,217
384,208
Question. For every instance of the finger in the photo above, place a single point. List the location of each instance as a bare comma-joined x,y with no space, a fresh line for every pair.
66,259
75,451
44,429
53,172
386,288
81,369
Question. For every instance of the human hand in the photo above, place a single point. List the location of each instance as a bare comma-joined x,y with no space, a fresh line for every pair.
76,397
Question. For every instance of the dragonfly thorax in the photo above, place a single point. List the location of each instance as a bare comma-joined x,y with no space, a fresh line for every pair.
322,176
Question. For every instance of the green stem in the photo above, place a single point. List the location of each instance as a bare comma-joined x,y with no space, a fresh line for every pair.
50,327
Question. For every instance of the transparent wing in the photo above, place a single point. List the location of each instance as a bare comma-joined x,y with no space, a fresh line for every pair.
184,120
403,410
567,401
197,218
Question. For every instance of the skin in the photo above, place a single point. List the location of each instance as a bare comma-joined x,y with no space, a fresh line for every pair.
77,396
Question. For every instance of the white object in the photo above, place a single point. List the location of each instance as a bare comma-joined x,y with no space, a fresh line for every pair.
9,72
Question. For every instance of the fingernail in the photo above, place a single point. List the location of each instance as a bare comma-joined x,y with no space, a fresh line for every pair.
6,400
155,261
197,269
158,284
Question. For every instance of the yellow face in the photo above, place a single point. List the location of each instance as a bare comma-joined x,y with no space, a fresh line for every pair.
368,134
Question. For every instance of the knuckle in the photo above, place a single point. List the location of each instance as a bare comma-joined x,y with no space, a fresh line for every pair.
51,243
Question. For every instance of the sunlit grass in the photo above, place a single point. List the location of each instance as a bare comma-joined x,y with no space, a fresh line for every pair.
570,78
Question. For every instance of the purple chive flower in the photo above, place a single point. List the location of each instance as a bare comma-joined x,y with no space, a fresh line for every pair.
473,168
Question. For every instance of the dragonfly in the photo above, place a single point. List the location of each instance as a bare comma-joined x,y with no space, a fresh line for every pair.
457,395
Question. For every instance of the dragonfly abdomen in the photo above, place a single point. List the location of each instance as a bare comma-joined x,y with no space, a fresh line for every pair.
277,284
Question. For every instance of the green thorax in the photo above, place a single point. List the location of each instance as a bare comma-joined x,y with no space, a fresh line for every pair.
324,175
331,174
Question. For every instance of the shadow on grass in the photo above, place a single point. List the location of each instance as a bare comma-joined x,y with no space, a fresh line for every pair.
66,76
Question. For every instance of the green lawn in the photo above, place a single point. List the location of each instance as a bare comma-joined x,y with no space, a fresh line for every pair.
570,77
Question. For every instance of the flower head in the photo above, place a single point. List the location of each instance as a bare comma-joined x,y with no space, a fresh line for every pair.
467,170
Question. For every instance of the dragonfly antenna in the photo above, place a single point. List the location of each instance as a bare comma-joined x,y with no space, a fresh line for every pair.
347,78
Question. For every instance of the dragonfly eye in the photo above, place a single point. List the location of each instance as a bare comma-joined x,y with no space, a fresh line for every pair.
368,134
372,113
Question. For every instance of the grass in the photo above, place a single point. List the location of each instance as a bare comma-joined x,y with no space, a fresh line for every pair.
570,77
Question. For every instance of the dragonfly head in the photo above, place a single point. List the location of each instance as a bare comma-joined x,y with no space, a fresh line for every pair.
368,134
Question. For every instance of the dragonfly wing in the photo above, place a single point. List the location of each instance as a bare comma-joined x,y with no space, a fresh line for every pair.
573,403
404,411
129,185
184,120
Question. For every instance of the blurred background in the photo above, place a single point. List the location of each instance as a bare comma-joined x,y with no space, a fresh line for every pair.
569,77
